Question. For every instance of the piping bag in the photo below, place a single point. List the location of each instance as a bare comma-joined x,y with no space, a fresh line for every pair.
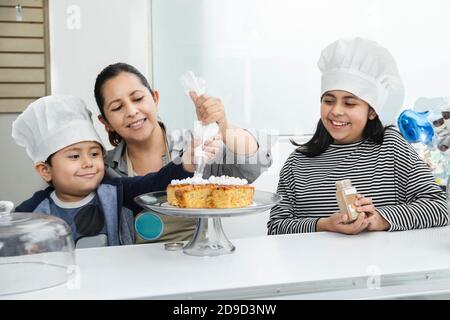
202,132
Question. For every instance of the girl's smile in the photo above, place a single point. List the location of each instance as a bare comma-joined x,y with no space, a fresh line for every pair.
345,116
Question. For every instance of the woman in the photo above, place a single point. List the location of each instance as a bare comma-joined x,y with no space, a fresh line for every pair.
361,92
143,144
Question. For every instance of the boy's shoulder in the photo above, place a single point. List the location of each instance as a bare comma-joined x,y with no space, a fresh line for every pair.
39,196
31,204
112,178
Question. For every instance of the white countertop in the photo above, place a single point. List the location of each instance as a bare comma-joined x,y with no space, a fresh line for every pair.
302,266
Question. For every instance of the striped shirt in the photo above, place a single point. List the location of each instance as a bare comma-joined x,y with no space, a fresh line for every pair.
392,174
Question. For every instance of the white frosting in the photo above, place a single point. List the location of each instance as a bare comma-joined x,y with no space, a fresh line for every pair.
222,180
193,180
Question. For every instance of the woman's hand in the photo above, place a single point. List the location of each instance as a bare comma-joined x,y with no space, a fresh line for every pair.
338,222
211,149
209,110
374,219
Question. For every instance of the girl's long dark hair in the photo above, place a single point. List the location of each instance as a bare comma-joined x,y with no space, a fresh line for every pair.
321,139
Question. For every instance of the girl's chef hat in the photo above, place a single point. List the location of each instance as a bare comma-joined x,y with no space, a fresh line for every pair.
52,123
367,70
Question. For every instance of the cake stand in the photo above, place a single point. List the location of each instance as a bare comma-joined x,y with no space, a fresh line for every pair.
209,238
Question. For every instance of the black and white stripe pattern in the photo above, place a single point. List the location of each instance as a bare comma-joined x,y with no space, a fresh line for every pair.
392,174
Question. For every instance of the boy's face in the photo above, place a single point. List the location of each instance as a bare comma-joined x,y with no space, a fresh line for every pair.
75,171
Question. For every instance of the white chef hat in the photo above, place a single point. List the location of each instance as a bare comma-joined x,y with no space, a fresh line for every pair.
52,123
367,70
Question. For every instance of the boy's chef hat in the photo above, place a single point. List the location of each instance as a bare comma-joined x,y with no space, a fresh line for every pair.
365,69
52,123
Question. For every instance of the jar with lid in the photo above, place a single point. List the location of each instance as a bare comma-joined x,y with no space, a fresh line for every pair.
36,251
346,196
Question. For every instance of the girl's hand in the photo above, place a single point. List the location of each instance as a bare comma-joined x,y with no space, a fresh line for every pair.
210,109
375,221
338,222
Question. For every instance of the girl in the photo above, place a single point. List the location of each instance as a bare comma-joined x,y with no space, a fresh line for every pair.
361,92
128,108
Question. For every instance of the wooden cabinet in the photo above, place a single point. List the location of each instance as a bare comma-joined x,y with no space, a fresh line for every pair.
24,54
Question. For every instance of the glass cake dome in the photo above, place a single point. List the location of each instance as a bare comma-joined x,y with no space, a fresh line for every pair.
36,251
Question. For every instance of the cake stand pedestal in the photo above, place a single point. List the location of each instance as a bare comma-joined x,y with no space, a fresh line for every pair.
209,238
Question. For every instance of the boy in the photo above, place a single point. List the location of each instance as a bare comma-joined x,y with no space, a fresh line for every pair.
59,136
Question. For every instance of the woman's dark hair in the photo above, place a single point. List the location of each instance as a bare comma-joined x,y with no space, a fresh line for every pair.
110,72
320,141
